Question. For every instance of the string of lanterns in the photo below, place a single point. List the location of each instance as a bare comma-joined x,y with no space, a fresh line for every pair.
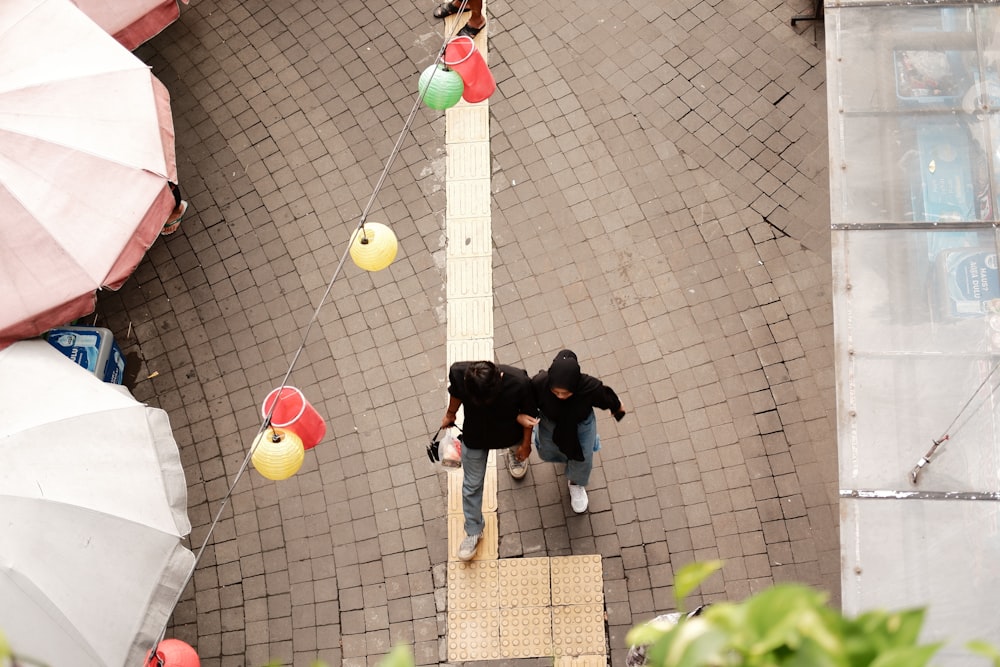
290,424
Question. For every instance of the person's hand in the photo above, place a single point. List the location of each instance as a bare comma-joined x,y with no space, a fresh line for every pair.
527,421
620,414
447,421
524,451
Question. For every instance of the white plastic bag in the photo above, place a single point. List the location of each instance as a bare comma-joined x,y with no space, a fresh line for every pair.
450,450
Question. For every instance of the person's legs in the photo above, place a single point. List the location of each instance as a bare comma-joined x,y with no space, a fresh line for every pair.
476,19
578,472
544,445
473,477
180,207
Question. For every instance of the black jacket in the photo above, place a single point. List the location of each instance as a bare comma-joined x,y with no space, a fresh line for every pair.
588,394
494,426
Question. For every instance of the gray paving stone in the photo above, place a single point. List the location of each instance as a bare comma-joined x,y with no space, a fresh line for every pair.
658,210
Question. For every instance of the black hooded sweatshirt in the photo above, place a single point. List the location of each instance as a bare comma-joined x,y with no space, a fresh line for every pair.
588,393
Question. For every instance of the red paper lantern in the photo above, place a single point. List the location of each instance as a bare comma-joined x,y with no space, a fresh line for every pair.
173,653
461,55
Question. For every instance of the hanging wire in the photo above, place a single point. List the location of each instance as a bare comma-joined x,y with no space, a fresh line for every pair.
266,422
926,458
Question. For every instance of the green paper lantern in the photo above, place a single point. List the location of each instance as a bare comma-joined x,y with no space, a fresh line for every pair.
440,87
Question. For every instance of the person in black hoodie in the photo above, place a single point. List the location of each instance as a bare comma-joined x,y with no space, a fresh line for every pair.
566,431
499,414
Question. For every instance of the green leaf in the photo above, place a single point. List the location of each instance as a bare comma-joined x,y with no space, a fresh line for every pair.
645,634
908,656
813,654
782,615
399,656
976,646
904,627
690,577
693,643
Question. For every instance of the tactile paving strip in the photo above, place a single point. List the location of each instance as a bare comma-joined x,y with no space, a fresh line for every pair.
581,661
468,159
474,635
470,318
455,490
474,348
473,586
488,546
578,630
468,198
475,277
470,237
526,632
467,122
577,580
524,582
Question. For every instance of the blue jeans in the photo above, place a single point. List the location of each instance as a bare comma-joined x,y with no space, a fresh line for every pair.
473,478
577,472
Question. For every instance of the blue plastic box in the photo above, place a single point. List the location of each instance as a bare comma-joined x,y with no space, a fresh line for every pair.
93,348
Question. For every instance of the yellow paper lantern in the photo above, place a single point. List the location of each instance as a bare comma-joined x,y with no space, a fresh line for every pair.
278,454
374,247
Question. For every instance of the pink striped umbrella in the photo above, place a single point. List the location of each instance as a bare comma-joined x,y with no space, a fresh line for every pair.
131,22
86,153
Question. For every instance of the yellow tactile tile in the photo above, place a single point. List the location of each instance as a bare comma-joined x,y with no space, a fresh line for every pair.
469,349
577,580
524,582
526,632
578,630
474,277
470,318
467,122
581,661
469,237
473,635
468,198
488,546
468,159
473,586
455,491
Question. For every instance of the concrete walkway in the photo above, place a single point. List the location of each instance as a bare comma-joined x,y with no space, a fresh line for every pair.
658,205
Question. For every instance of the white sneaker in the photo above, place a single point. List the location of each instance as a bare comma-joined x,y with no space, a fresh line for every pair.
517,469
467,549
578,498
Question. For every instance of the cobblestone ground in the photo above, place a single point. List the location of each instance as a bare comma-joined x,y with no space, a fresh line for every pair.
660,207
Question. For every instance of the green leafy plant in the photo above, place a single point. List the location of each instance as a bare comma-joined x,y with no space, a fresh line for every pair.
787,625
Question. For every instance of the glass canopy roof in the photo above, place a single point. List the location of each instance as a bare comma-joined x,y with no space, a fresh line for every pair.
914,111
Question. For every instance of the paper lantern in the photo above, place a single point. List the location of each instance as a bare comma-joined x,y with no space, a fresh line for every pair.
173,653
278,454
440,87
374,247
296,414
462,55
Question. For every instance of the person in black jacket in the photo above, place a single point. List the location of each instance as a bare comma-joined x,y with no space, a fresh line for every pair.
499,413
566,431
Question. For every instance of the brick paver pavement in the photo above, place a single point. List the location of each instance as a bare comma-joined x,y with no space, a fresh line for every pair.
660,206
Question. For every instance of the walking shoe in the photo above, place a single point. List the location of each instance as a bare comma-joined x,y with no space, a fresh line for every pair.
517,469
578,498
467,549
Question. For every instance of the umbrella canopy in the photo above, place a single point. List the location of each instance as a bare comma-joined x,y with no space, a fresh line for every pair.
131,22
86,151
93,505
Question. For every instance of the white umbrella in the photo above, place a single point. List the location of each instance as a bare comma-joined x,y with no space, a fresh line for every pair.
93,507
